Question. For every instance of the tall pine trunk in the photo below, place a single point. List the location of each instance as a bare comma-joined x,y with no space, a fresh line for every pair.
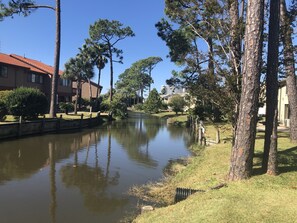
90,90
289,69
271,82
243,149
54,87
111,73
78,82
98,88
235,47
272,165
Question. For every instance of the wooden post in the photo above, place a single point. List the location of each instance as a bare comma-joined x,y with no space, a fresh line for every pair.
218,137
90,121
42,124
81,120
202,138
20,127
58,124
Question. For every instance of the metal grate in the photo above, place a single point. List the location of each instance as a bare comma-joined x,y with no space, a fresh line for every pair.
183,193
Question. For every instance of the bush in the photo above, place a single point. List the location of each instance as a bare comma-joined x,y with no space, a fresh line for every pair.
3,111
117,108
27,102
138,107
66,107
177,103
3,104
153,103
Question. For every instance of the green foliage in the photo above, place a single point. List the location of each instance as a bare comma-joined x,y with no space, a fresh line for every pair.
66,107
153,103
15,7
3,110
139,107
177,103
27,102
117,108
3,104
107,34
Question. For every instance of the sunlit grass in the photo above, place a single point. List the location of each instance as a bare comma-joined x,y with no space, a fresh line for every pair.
69,116
262,198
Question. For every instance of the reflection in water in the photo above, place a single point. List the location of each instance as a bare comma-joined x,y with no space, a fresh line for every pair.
53,205
98,165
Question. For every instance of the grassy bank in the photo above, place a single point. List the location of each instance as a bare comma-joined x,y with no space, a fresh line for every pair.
69,116
262,198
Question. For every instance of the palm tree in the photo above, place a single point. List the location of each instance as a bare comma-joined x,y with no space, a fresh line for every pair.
80,70
100,64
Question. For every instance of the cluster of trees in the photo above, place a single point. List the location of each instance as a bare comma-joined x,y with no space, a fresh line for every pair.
220,45
136,79
98,50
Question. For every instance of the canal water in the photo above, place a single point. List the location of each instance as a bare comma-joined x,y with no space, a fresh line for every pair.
85,176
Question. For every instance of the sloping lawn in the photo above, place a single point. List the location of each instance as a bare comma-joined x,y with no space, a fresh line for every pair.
262,198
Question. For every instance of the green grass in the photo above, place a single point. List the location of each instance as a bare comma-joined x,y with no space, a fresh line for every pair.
69,116
262,198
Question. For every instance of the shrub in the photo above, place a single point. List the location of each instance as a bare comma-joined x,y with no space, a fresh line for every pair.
177,103
66,107
153,103
3,111
27,102
116,108
138,107
3,104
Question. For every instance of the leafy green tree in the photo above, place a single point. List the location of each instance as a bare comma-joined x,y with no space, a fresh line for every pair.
193,26
25,7
137,77
109,33
98,53
78,69
177,103
3,103
153,103
148,65
27,102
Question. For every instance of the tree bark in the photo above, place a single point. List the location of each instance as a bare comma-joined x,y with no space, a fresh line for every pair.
235,47
271,80
289,69
243,149
98,88
55,77
77,95
272,165
111,73
90,90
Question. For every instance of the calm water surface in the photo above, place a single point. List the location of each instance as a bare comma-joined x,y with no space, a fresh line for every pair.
84,176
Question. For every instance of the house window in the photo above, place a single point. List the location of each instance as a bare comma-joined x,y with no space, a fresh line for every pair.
3,71
65,82
35,78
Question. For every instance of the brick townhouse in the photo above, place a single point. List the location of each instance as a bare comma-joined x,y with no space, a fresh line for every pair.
17,71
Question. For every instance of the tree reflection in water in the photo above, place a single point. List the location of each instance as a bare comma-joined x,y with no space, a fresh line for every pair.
77,158
93,182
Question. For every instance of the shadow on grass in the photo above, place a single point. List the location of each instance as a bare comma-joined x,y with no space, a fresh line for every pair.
287,161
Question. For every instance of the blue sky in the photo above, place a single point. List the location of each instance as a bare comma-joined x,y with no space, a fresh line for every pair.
34,36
